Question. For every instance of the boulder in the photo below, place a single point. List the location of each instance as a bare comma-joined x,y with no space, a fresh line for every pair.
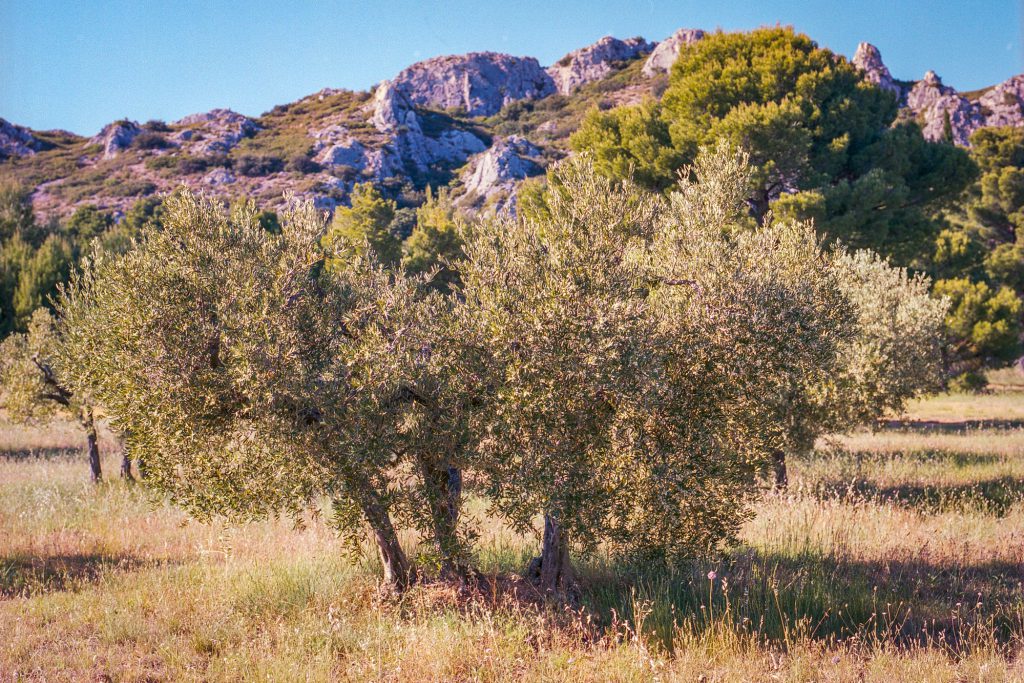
214,131
501,168
335,146
478,83
664,54
594,62
219,176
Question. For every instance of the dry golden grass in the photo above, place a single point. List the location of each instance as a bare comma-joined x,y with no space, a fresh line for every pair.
896,556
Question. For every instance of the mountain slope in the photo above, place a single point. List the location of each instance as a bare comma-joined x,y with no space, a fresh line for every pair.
480,122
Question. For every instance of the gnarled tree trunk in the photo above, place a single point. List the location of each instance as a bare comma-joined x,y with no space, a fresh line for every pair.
443,486
89,423
397,570
557,576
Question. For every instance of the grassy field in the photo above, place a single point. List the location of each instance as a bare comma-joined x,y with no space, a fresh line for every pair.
895,556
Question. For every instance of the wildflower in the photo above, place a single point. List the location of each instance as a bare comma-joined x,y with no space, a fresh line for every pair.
712,575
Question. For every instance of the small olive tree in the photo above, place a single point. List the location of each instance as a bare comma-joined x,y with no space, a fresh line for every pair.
559,305
32,388
891,351
253,380
893,354
748,317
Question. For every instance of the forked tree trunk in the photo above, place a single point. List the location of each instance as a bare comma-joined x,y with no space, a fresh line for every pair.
779,467
556,573
397,571
443,486
96,473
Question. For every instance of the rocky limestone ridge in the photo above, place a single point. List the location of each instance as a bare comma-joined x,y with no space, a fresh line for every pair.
116,137
940,109
478,83
1003,105
869,60
943,111
214,131
17,141
497,172
416,130
594,62
664,54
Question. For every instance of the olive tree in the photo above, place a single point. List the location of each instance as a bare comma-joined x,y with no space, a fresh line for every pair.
890,353
31,386
253,380
637,350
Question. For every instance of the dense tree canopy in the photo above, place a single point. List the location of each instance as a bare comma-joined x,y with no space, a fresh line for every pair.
819,136
978,260
252,380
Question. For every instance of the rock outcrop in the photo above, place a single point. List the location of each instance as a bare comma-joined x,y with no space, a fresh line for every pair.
943,112
594,62
1003,105
17,141
869,60
116,137
214,131
496,173
335,146
394,113
478,83
664,54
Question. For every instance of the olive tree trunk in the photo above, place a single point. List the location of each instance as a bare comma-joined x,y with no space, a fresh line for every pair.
557,576
779,468
397,570
126,466
443,487
89,423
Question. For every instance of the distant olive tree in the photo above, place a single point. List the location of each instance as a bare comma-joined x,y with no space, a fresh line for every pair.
31,386
252,380
892,352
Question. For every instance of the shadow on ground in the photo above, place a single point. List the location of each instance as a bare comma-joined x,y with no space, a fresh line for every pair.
990,496
956,426
24,575
772,596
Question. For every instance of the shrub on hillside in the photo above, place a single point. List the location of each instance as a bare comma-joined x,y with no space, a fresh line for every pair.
255,166
300,163
148,140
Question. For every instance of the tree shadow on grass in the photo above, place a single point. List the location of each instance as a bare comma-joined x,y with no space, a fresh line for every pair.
955,426
27,575
775,597
990,496
63,453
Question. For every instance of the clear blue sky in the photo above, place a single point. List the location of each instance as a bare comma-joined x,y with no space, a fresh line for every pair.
78,64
